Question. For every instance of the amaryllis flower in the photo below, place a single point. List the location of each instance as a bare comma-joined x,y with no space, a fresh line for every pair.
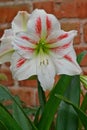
19,24
44,50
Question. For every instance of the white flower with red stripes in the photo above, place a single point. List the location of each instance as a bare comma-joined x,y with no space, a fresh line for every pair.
44,50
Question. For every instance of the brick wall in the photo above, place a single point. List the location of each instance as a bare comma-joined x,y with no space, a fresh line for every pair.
72,15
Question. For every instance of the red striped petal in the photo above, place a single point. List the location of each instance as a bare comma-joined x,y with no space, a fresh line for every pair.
48,24
38,26
68,58
65,46
20,62
28,39
61,37
26,48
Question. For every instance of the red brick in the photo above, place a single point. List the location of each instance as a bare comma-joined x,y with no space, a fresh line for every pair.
10,11
65,9
81,9
84,61
85,32
48,6
9,81
28,83
84,70
71,9
6,0
80,49
37,98
67,26
27,95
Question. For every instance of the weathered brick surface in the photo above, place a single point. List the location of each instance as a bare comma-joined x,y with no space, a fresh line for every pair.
7,13
27,83
26,94
71,9
72,15
48,6
85,32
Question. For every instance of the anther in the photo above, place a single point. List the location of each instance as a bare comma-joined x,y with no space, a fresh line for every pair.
44,62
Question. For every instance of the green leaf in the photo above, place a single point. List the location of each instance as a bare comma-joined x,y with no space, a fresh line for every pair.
53,103
30,110
42,102
4,93
19,116
8,120
36,120
81,114
84,103
83,107
81,56
67,118
2,126
41,95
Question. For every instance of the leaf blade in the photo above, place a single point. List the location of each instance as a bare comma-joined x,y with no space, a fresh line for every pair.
81,114
29,125
8,120
48,114
67,118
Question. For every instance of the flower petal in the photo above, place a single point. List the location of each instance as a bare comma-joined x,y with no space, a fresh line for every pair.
19,23
6,56
64,43
24,44
8,33
41,23
52,24
66,37
6,49
60,37
22,68
67,64
45,72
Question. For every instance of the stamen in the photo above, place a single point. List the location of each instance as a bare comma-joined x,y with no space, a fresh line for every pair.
44,62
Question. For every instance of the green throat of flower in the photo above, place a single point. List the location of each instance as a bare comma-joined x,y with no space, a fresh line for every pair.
42,47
